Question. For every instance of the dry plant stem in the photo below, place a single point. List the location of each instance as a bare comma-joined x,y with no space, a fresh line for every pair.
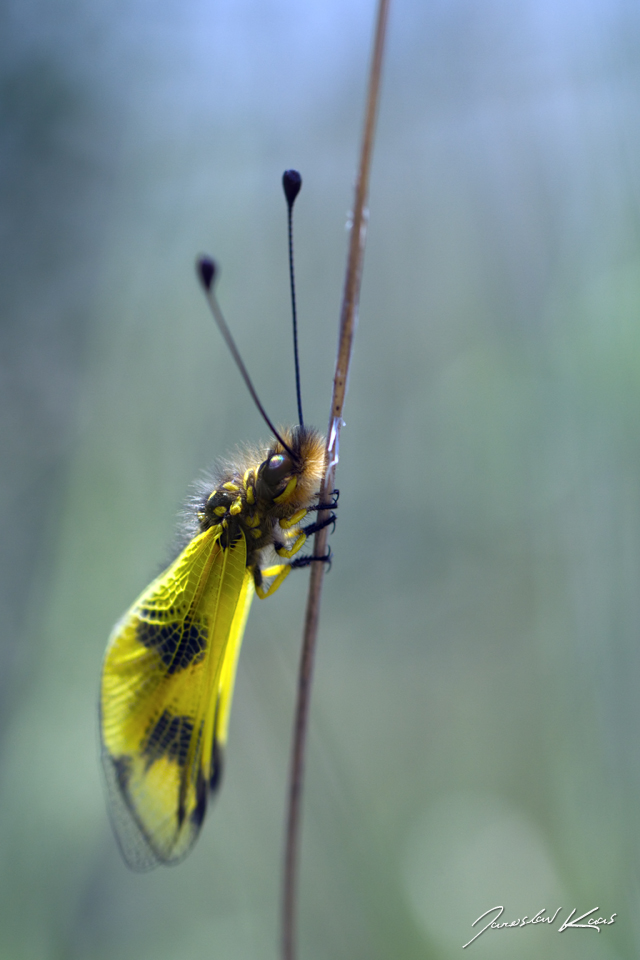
348,319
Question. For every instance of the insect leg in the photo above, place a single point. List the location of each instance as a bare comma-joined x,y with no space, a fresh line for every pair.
307,561
332,505
287,552
292,521
319,525
281,571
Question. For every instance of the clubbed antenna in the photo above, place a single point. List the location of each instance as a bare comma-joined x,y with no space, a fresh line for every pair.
207,270
291,182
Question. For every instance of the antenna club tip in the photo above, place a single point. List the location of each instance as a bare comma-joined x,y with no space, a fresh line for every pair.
291,183
207,269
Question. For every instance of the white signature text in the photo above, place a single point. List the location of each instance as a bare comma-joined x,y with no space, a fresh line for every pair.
593,923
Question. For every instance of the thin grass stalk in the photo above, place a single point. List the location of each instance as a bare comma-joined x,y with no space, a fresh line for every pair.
348,321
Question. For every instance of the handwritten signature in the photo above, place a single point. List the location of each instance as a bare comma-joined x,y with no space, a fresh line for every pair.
592,923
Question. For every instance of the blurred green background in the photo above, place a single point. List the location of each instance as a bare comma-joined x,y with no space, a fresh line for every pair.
475,718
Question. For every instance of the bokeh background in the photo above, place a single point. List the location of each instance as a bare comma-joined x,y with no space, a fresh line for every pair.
475,721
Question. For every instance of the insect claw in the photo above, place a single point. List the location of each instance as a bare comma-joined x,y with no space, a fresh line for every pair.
307,561
320,524
331,505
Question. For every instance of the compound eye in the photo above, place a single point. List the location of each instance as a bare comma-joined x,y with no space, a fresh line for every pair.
273,476
275,469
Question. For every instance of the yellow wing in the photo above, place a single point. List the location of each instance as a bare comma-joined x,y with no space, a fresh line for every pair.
167,684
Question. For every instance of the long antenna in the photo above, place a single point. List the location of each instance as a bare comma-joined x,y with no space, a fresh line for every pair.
291,183
206,269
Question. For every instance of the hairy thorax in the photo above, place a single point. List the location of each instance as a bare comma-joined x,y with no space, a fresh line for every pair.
264,494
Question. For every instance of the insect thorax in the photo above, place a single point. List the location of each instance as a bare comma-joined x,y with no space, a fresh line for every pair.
253,494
